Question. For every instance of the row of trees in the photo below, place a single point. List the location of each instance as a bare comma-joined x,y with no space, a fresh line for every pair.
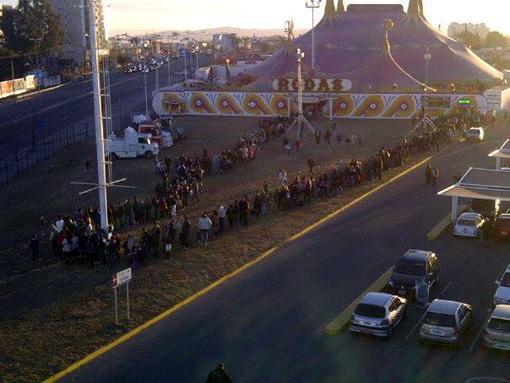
32,27
492,40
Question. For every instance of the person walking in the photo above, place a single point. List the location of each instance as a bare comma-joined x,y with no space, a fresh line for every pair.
428,175
435,176
204,226
218,375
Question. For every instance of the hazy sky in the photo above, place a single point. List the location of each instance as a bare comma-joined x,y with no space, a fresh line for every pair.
155,15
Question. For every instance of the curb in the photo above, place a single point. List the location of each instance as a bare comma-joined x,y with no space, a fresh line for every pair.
336,326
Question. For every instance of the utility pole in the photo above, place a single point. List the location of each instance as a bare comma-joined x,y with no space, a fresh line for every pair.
169,70
98,113
313,5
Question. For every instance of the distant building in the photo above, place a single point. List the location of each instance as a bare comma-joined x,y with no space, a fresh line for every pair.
3,8
478,29
73,16
224,41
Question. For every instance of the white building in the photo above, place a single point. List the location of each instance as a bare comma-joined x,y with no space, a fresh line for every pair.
224,41
478,29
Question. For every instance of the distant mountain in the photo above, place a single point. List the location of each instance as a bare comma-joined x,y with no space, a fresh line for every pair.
206,34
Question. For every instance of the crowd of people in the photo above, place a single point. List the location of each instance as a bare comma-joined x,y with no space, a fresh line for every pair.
181,184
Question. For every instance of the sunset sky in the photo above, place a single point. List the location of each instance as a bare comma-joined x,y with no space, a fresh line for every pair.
156,15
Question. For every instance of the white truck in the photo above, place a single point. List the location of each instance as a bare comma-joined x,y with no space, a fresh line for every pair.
132,145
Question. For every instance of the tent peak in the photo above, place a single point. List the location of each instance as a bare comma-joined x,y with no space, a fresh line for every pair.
340,9
330,10
415,7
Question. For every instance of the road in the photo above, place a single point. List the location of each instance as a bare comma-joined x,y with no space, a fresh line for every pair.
53,111
267,325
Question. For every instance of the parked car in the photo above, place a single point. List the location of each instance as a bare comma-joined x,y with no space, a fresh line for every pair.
446,321
378,314
475,134
502,227
415,266
502,294
468,225
497,330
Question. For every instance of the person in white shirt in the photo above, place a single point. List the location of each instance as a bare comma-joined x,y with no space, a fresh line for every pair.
204,226
282,177
60,224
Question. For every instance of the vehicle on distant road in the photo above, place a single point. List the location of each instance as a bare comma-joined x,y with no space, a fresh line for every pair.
475,134
446,322
468,225
502,227
497,330
502,294
378,314
415,267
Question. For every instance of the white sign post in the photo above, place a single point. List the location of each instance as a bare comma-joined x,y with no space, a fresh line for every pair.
120,279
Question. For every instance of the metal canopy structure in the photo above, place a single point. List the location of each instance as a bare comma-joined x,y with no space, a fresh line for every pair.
502,153
477,183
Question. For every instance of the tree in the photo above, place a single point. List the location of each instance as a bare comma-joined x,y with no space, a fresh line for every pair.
32,27
470,39
495,40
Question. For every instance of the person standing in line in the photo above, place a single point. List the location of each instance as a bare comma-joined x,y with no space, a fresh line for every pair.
185,232
34,247
218,375
204,225
222,212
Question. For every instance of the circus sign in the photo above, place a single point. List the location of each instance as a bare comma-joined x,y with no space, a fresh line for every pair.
319,85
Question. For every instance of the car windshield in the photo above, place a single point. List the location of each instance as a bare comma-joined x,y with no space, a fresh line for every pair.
465,222
499,325
438,319
411,268
371,311
474,132
505,281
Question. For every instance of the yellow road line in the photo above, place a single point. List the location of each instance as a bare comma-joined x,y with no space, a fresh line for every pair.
224,279
336,325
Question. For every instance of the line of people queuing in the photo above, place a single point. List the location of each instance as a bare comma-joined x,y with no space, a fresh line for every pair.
79,237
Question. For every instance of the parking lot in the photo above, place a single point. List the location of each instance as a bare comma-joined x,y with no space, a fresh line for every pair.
469,268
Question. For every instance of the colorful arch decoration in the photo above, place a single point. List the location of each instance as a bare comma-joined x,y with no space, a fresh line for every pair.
201,104
385,106
371,106
343,106
402,107
280,105
256,106
227,104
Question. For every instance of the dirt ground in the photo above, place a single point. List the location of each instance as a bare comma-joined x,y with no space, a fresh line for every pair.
46,190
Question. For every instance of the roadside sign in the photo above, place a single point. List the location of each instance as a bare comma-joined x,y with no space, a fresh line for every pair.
121,278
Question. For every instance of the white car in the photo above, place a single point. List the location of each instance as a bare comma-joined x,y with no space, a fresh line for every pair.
468,225
497,329
502,294
378,314
475,134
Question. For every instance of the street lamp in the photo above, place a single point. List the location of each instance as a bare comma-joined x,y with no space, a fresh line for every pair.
313,5
427,57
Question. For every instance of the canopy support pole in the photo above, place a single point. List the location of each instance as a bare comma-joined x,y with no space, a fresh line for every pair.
455,209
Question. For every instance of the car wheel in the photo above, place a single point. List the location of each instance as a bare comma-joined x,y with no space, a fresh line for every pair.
148,155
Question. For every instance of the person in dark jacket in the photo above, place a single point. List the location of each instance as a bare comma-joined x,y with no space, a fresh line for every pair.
218,375
34,247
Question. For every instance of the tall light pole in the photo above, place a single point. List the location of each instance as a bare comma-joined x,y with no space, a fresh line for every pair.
169,70
98,111
300,57
313,5
427,57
